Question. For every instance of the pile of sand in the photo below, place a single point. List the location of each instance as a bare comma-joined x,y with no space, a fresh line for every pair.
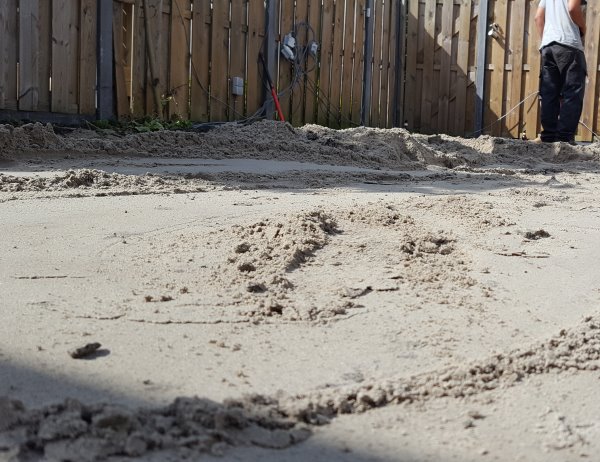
92,182
363,147
188,427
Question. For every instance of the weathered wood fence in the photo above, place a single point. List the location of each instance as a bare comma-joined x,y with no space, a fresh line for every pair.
48,56
200,46
179,59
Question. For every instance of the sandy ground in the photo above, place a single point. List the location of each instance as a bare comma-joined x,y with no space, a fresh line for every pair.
278,294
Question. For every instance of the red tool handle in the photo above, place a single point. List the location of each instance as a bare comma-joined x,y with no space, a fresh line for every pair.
273,91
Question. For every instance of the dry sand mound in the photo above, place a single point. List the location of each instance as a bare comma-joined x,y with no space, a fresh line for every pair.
189,426
92,182
365,147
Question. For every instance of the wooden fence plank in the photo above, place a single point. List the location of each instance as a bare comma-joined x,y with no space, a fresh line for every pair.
496,87
410,93
428,46
384,95
87,57
377,49
8,58
155,37
462,62
591,53
286,75
336,67
531,106
122,102
65,38
255,88
326,63
358,64
311,104
517,35
29,43
219,81
179,60
347,59
302,37
395,71
138,62
238,54
446,58
201,34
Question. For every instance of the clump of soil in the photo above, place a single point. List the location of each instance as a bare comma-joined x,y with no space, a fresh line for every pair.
535,235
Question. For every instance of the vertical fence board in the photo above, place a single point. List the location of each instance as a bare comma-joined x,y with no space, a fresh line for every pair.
286,75
8,59
428,46
255,87
411,65
155,38
359,62
302,37
378,20
325,71
311,103
336,65
65,19
395,71
531,107
238,53
517,34
119,62
138,62
462,63
87,57
201,34
496,88
29,53
444,83
348,53
179,62
591,53
385,65
219,82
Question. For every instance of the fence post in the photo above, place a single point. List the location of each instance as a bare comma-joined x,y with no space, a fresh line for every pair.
481,64
368,71
270,54
400,72
105,106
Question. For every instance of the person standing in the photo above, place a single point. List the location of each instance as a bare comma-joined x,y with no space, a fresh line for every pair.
561,25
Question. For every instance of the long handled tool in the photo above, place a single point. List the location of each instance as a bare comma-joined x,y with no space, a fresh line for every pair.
271,87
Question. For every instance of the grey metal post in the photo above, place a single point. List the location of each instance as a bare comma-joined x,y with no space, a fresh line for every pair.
270,52
104,80
368,71
400,71
481,64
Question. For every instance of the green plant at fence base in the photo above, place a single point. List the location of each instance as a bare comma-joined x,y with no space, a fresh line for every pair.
145,125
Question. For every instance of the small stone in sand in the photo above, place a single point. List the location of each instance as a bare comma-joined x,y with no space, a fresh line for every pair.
84,351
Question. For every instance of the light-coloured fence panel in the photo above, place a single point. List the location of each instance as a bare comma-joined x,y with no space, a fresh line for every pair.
48,56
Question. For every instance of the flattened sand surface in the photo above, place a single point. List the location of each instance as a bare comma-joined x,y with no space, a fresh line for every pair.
452,284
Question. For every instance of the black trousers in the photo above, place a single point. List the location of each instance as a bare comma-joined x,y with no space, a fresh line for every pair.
562,86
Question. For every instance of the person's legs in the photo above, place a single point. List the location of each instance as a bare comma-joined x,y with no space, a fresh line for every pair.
573,90
550,86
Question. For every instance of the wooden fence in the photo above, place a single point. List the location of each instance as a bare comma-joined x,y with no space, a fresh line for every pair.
179,59
199,46
48,56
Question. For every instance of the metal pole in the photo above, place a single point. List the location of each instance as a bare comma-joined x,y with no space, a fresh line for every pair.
368,71
104,79
481,64
270,52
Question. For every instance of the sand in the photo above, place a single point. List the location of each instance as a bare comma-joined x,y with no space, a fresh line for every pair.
268,293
